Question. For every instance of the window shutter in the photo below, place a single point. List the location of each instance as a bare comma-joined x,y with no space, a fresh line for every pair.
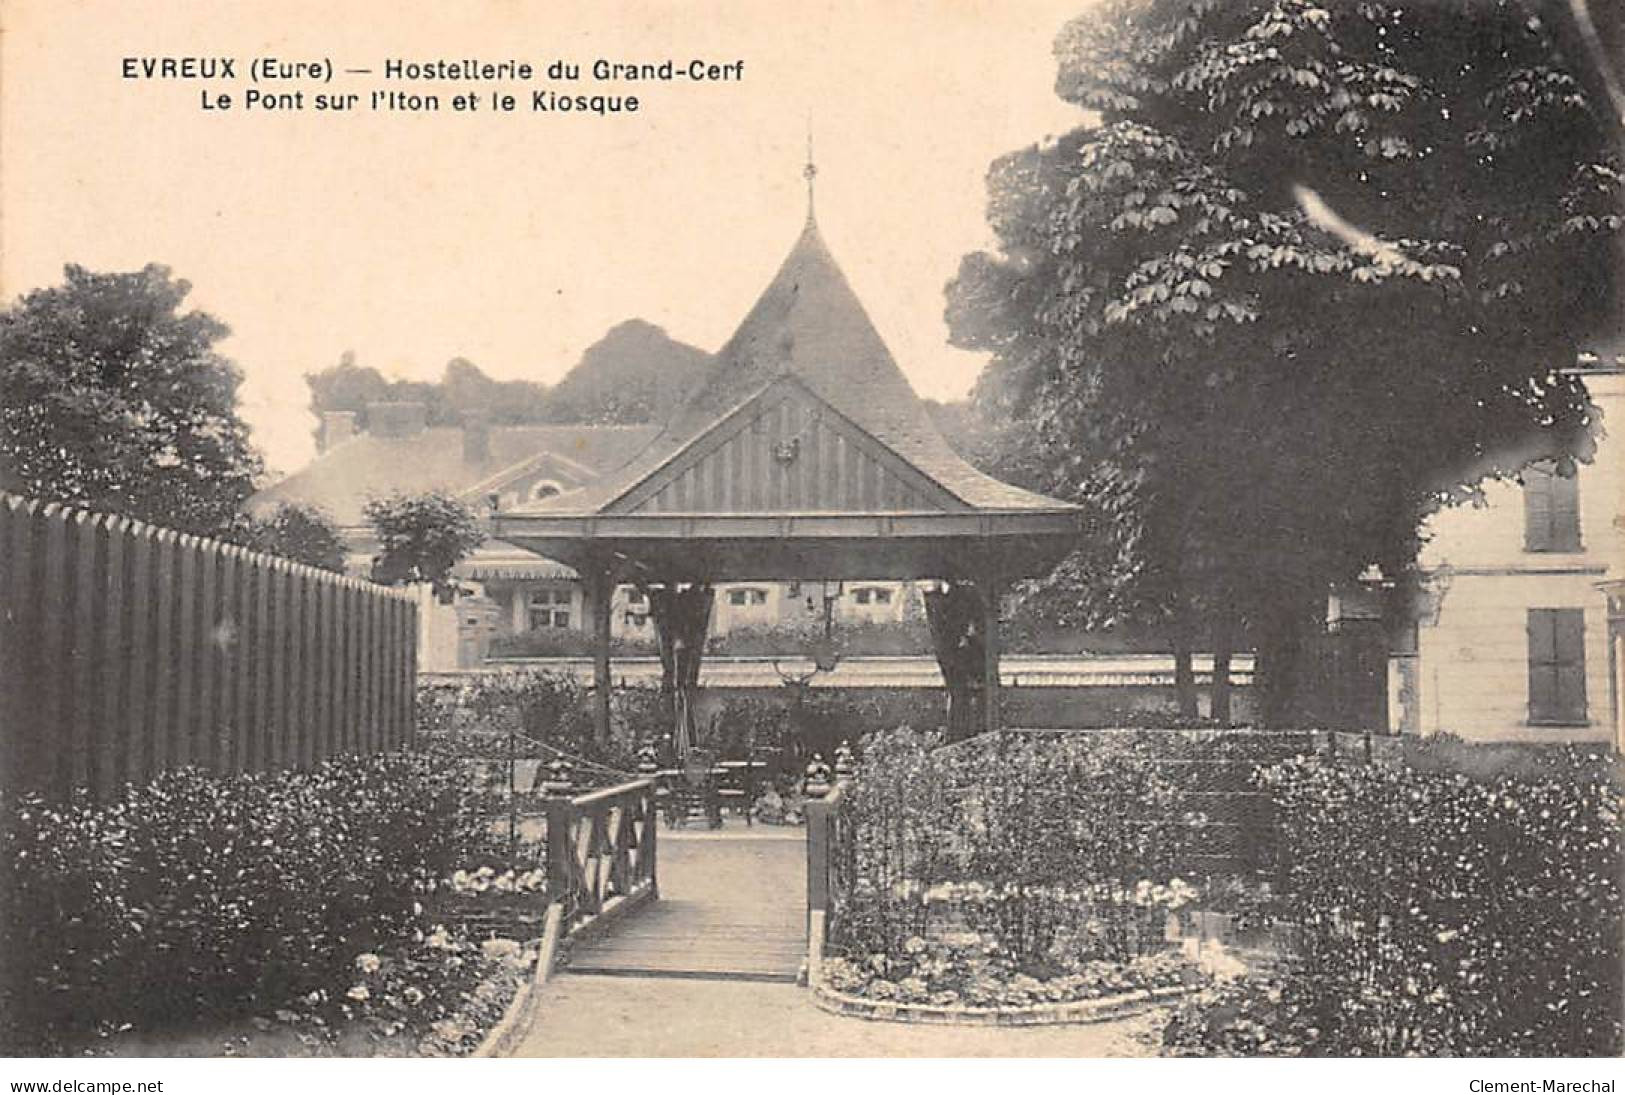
1557,687
1542,666
1537,509
1569,637
1565,513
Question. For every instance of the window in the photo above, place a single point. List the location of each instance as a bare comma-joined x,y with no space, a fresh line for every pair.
861,596
545,489
550,608
635,597
882,596
636,620
1557,666
1551,510
742,597
871,595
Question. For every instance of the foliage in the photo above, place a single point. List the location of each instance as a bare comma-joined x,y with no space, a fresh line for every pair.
1487,761
199,898
301,533
421,537
1062,850
968,968
1207,304
113,399
641,713
432,995
1260,1016
556,642
849,640
547,714
747,727
1436,913
634,374
463,389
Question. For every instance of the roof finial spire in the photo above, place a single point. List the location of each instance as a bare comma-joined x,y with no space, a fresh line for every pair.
810,172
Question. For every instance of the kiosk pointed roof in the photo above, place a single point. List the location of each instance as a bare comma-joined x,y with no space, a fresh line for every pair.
809,325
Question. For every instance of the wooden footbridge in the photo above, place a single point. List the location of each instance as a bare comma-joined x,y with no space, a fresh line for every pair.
630,901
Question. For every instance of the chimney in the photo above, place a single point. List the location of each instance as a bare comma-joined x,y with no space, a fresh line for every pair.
337,428
476,437
396,419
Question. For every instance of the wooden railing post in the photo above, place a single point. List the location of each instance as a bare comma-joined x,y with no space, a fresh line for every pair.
819,831
822,803
817,854
650,856
560,885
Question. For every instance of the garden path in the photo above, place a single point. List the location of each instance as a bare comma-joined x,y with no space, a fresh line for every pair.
709,971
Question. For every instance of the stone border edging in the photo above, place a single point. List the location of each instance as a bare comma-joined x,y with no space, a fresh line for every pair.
1095,1010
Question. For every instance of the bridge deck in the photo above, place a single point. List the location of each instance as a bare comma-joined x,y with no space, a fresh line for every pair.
732,906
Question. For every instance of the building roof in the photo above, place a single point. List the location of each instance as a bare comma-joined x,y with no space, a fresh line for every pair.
802,453
808,324
343,479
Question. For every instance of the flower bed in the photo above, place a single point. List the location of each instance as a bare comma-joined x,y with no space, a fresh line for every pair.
294,912
967,969
1063,850
434,996
1024,878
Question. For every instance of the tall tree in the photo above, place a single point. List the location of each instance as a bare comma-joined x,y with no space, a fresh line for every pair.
1309,276
114,399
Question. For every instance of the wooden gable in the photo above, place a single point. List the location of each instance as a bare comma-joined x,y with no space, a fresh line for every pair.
786,450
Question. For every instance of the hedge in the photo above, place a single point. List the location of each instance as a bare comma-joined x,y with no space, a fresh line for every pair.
1438,913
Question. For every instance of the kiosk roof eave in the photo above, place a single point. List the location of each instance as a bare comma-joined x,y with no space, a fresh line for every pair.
766,547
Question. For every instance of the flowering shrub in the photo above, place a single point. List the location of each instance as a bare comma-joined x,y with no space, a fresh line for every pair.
1062,850
207,896
1437,913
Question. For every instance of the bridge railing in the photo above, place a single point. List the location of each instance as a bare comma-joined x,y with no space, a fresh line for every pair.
602,852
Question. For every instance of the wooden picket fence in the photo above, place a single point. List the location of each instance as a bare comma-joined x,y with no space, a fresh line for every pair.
126,650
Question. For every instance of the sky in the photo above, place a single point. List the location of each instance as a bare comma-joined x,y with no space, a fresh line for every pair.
514,240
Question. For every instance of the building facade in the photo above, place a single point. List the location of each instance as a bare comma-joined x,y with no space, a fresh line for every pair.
1516,640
